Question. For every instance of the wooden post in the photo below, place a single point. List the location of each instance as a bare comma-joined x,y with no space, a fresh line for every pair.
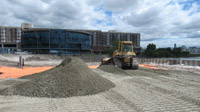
20,60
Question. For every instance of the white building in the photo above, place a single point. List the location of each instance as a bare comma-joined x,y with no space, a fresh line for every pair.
183,48
194,50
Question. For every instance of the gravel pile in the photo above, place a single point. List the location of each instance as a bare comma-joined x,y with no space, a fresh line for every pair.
71,78
112,69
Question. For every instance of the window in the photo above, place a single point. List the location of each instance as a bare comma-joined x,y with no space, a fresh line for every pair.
127,48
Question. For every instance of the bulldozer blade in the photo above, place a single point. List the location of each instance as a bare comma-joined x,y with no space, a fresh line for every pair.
106,61
117,62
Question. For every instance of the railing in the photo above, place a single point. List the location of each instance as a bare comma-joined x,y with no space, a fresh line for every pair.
6,50
189,62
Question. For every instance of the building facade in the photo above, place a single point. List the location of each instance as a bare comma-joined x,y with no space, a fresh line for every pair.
102,40
183,48
10,38
43,40
26,26
194,50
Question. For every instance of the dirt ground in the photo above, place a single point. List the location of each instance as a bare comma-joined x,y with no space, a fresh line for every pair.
143,90
43,60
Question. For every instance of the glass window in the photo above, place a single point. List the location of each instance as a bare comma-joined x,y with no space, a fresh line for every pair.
127,48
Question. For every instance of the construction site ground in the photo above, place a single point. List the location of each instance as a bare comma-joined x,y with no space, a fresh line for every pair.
142,90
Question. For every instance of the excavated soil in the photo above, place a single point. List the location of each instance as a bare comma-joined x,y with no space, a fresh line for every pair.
71,78
112,69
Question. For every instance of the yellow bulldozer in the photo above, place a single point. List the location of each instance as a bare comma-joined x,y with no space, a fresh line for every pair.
123,57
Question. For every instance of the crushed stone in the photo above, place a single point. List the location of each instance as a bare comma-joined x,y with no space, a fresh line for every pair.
112,69
71,78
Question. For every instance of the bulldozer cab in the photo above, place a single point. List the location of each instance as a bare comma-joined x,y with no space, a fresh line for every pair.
125,48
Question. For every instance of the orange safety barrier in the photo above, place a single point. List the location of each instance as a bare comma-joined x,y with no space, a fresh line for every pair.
13,72
150,66
93,66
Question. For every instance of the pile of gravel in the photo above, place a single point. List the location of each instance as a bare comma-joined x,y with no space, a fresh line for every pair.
71,78
112,69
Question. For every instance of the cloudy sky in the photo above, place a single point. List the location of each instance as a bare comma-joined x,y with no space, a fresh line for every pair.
162,22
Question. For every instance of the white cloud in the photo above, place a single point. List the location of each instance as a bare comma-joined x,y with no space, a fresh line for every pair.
161,22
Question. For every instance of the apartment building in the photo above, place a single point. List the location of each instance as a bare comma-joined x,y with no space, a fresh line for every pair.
10,38
102,40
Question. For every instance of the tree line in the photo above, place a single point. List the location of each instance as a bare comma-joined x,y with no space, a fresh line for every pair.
152,52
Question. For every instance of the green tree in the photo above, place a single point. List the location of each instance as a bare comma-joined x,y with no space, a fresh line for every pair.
150,50
177,52
163,52
114,46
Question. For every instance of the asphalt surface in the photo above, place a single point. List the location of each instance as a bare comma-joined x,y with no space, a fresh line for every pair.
143,91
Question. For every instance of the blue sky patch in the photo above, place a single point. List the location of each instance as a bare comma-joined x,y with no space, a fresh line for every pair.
99,21
108,13
110,23
188,4
171,3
